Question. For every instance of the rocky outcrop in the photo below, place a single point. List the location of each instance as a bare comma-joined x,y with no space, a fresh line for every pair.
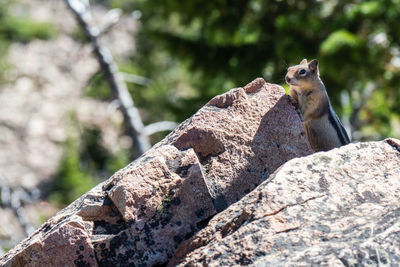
146,210
336,208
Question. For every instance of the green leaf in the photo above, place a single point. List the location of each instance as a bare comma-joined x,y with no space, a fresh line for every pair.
338,40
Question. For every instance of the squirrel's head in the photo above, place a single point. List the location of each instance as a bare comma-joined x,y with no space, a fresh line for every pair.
304,74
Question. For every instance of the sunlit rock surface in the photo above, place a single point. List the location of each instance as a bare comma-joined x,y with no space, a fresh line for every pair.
336,208
146,210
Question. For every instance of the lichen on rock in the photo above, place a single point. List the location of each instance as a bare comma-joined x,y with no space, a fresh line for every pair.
328,209
143,213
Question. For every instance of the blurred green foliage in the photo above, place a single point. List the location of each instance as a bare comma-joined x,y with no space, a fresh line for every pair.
71,181
98,88
193,50
19,29
15,28
86,162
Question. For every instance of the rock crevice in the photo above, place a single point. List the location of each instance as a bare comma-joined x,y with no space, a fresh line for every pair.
328,208
144,212
235,184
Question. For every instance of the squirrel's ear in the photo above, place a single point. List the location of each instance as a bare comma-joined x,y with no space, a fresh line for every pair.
313,65
304,61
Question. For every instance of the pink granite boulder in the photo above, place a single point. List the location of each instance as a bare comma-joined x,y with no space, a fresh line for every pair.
146,210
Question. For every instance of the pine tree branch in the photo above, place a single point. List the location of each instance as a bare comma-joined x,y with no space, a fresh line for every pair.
132,119
14,199
159,127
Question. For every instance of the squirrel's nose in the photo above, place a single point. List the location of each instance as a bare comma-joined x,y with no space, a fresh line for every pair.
287,78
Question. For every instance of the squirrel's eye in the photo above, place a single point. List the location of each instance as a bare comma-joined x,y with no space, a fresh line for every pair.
302,72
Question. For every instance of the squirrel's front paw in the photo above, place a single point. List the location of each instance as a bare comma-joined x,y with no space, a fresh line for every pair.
292,101
295,105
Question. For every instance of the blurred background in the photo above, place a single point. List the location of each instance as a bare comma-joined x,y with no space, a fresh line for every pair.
61,128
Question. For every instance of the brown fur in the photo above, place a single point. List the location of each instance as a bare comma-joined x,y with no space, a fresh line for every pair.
309,92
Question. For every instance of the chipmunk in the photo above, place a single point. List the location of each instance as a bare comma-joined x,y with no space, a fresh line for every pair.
323,128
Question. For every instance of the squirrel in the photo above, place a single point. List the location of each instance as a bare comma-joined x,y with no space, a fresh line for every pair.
323,128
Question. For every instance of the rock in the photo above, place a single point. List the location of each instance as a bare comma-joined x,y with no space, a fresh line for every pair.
144,211
335,208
